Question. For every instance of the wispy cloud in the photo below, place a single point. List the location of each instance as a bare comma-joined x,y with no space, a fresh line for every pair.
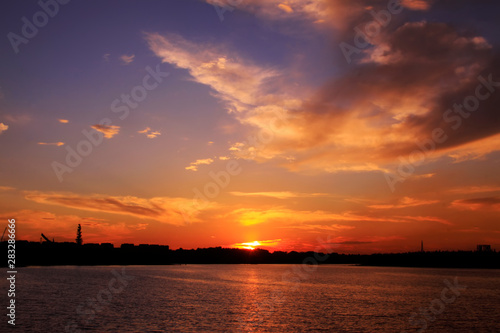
423,176
475,189
279,195
417,4
150,133
3,127
7,188
237,81
321,227
344,242
286,8
353,242
485,203
162,209
127,59
51,143
17,118
335,13
63,121
153,134
108,131
194,165
370,115
404,203
298,218
475,150
426,218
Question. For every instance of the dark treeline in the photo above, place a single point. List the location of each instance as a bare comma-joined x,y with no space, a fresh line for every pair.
49,253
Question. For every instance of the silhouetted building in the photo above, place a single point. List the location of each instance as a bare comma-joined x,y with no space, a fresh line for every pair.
483,248
79,239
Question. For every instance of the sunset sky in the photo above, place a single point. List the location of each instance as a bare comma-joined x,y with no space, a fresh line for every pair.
361,126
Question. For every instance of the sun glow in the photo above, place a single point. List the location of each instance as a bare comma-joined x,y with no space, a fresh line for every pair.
255,244
249,246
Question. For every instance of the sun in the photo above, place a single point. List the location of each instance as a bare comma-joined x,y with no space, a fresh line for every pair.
256,244
250,245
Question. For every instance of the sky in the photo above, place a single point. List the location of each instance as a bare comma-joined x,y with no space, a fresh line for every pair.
329,125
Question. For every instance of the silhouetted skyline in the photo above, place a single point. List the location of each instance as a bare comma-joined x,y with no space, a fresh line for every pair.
188,123
69,253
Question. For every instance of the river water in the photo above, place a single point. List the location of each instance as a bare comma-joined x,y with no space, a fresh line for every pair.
255,298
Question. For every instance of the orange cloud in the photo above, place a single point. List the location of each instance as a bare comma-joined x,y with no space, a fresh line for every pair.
236,81
475,189
127,59
380,123
320,228
108,131
337,13
3,127
313,10
162,209
427,219
51,143
153,134
286,8
474,150
385,108
303,219
424,176
194,165
7,188
416,4
150,133
278,195
63,227
486,203
63,121
405,202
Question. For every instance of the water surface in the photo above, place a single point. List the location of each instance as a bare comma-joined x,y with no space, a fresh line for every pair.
255,298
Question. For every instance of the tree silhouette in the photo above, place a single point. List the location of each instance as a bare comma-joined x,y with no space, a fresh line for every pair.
79,239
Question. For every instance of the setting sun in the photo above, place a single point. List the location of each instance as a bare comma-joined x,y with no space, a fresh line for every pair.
251,245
